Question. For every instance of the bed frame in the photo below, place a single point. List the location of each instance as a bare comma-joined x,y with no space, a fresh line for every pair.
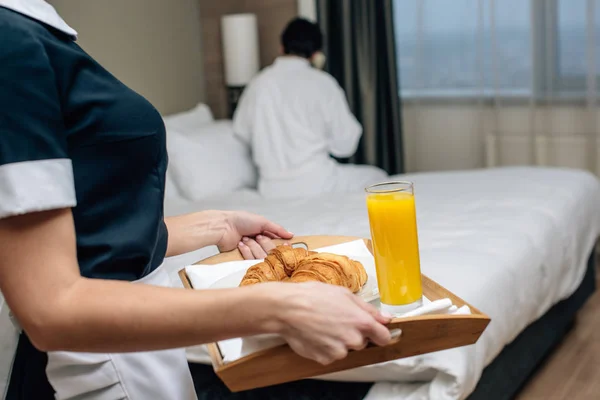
518,361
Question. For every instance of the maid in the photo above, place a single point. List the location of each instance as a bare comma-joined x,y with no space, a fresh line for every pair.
82,174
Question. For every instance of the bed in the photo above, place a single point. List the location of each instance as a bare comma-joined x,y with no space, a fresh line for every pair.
517,243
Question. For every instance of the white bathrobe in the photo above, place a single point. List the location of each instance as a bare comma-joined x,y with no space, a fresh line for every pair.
294,117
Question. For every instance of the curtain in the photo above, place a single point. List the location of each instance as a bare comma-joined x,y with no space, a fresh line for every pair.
361,54
493,83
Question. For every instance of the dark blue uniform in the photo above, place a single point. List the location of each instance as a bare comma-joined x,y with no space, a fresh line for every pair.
72,135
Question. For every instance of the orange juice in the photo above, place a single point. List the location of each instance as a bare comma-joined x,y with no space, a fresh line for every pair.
392,216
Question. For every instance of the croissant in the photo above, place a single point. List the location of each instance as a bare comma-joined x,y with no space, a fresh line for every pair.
278,265
258,273
285,263
290,257
332,269
320,272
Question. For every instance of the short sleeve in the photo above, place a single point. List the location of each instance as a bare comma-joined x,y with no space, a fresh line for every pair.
36,173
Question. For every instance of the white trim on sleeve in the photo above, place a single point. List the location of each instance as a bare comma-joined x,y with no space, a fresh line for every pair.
31,186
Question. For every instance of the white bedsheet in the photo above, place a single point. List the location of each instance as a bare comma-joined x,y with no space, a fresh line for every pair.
512,242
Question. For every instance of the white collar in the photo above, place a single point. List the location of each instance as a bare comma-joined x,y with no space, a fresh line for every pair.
42,11
291,61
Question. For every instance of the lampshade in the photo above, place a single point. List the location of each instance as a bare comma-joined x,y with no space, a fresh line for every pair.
240,48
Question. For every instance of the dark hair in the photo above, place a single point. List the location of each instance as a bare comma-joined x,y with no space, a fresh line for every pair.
301,38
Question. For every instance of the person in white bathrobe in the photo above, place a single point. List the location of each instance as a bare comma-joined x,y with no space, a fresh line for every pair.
295,117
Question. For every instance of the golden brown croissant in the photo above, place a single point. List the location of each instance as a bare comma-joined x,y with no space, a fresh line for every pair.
278,265
285,263
258,273
333,269
290,257
320,272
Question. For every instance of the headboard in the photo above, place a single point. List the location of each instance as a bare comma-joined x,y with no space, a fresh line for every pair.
153,46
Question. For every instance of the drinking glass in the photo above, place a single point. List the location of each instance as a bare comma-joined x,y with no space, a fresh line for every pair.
393,221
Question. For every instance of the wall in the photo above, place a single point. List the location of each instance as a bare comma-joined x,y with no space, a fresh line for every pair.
308,9
272,16
153,46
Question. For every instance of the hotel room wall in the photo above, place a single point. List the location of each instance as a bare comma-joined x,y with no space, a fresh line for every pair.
457,136
153,46
272,16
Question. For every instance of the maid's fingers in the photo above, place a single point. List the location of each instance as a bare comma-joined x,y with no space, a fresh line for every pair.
257,249
245,251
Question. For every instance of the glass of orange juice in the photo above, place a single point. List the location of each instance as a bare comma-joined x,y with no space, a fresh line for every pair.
393,220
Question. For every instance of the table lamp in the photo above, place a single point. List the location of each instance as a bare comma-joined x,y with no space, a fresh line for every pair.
240,54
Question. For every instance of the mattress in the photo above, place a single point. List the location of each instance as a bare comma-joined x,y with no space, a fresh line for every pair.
511,241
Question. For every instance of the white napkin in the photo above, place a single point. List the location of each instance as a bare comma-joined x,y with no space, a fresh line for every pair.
203,276
357,248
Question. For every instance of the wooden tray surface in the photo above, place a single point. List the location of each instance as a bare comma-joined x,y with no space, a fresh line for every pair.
421,334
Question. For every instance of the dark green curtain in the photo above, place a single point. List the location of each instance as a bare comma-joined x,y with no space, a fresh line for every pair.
361,55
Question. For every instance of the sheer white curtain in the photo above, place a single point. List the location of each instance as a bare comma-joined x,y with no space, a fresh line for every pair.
499,82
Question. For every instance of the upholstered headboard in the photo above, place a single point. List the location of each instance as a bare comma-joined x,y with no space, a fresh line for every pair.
153,46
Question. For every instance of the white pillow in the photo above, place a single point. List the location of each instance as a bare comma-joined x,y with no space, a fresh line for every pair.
189,121
220,127
212,161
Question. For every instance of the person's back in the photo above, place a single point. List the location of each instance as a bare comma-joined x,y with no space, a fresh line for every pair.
294,117
293,109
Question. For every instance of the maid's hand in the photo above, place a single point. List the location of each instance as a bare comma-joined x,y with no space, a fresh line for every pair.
252,234
257,247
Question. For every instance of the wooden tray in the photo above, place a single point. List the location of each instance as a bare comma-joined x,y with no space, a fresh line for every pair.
422,334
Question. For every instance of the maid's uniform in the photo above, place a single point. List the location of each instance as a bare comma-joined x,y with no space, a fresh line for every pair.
72,135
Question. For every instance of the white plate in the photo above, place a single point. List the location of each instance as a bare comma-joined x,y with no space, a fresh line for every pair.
369,291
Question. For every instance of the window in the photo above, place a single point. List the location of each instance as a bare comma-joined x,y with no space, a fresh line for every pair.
573,46
463,48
